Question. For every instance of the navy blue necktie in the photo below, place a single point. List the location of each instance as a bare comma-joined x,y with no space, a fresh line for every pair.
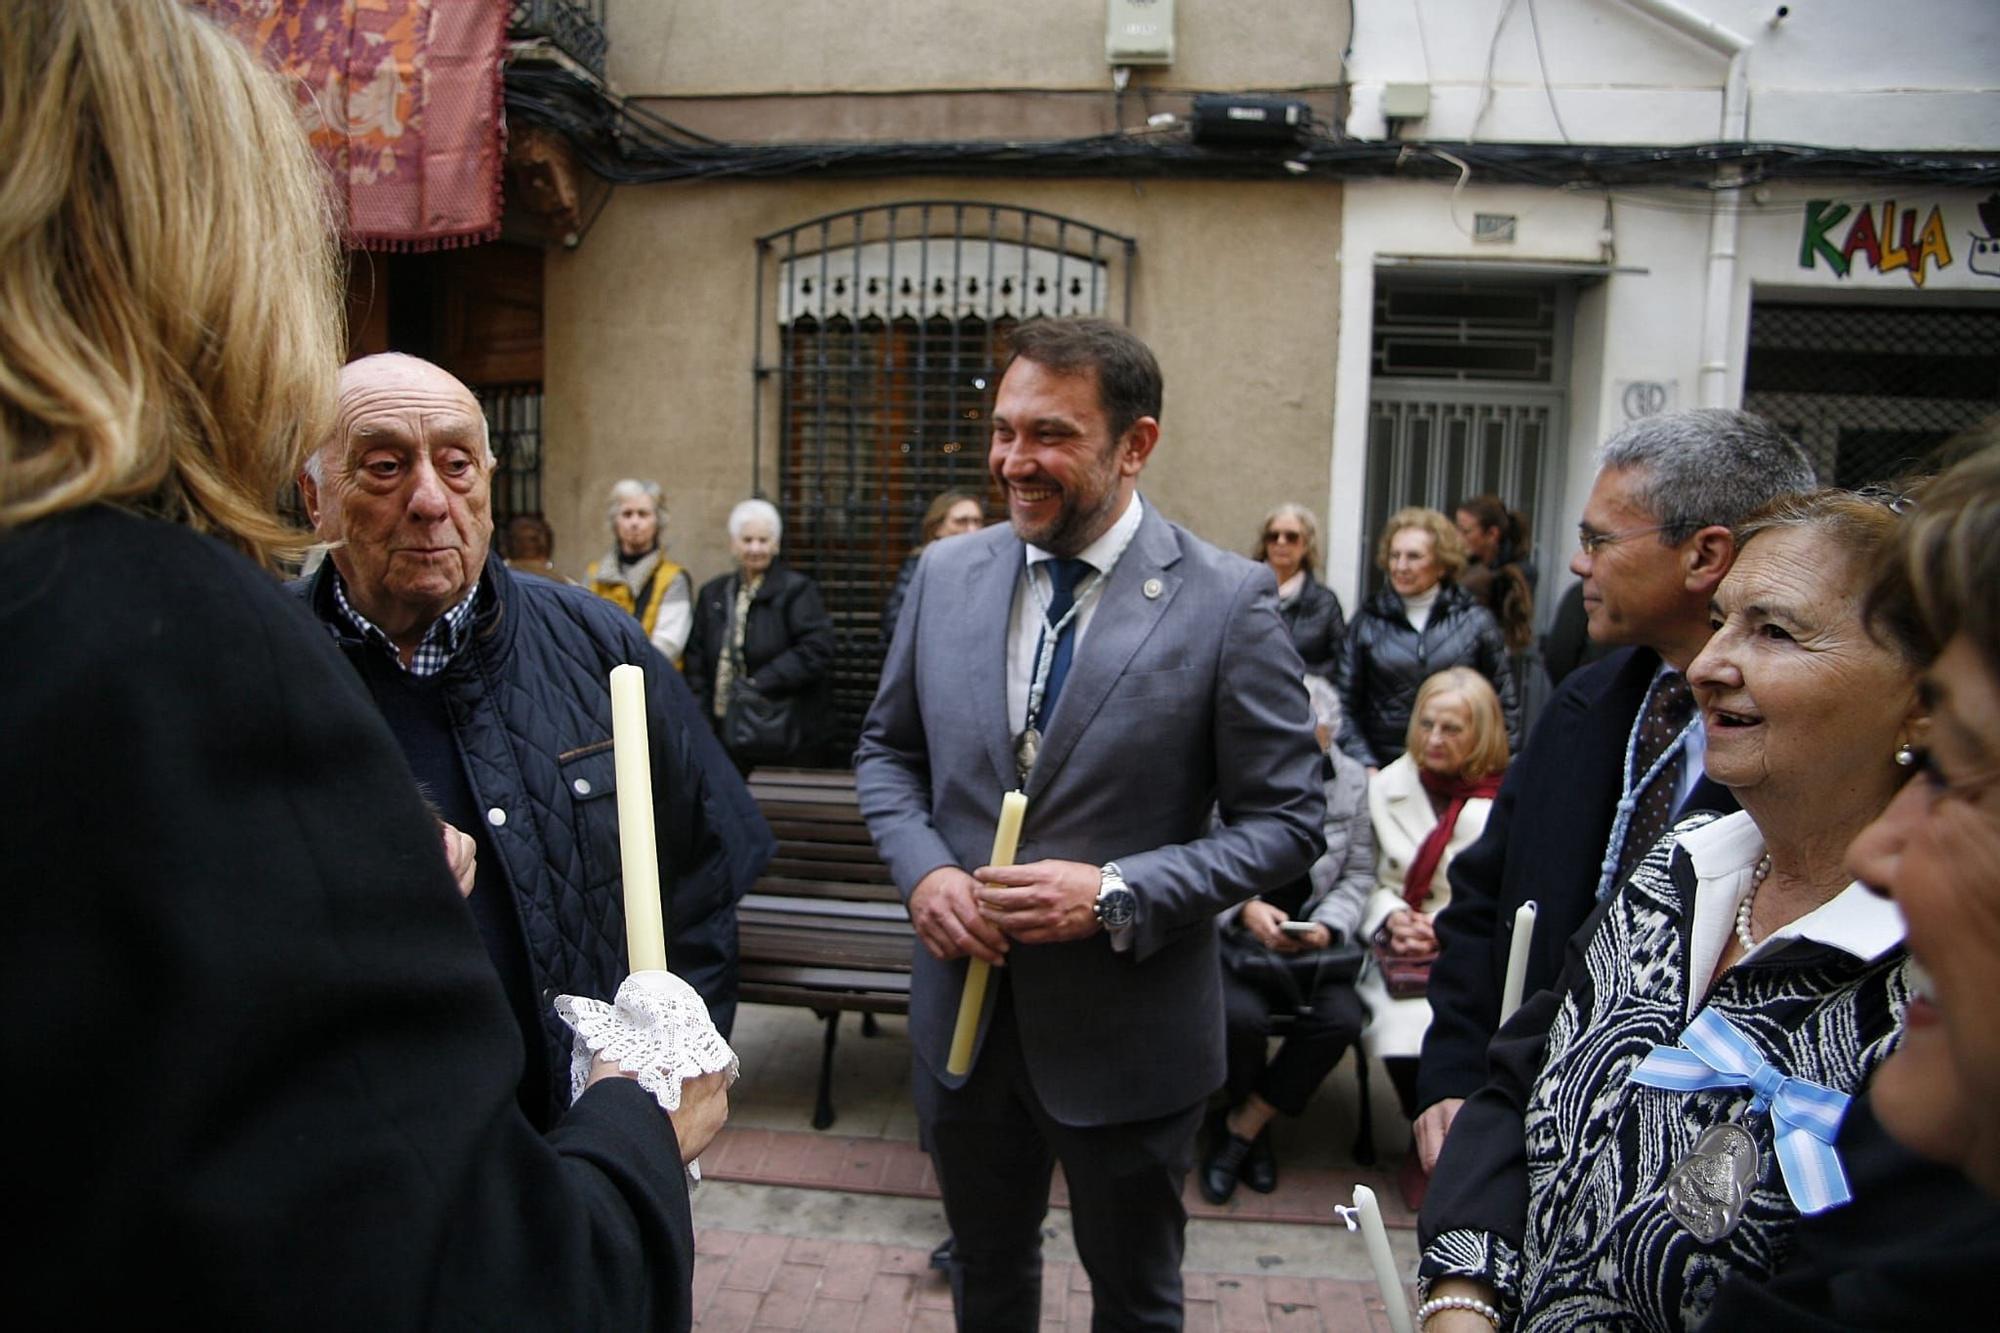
1064,574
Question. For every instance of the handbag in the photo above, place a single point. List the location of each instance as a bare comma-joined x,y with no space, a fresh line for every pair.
1406,976
1290,980
759,729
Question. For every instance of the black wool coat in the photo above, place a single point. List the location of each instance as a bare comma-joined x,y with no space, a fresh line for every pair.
270,1072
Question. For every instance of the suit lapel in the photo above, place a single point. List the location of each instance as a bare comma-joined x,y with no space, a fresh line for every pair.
1125,615
988,611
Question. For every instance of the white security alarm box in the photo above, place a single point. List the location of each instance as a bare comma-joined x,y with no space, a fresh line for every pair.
1139,32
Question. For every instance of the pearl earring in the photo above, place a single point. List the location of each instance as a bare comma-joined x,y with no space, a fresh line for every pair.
1905,756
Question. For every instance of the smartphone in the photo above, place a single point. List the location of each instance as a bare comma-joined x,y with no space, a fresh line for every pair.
1296,927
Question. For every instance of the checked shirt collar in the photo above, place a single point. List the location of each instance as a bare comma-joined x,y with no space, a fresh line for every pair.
441,642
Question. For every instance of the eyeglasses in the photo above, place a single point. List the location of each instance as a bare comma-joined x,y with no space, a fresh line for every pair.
1593,541
1284,537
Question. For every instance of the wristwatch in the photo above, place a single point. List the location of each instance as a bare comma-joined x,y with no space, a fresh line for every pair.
1117,906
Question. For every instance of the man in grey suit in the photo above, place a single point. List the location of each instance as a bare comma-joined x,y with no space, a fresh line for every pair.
1131,679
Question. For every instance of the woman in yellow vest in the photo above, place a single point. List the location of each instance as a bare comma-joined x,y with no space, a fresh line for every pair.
637,575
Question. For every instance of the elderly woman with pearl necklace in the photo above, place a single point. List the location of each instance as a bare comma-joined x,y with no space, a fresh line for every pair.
1660,1119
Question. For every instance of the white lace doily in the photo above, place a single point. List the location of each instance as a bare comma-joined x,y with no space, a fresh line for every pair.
657,1029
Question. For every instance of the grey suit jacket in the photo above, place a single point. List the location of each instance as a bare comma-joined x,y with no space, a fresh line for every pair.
1176,702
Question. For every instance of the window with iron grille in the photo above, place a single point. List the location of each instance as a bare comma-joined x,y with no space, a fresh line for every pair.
514,428
1872,391
889,324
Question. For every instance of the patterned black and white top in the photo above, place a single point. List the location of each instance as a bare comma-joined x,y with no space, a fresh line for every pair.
1552,1184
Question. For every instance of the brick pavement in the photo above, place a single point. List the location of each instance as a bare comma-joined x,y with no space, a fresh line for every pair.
749,1281
811,1160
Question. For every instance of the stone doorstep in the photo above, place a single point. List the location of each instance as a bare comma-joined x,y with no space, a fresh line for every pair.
808,1160
745,1280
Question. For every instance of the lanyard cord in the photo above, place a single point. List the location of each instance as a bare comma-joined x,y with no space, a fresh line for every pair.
1046,656
1628,800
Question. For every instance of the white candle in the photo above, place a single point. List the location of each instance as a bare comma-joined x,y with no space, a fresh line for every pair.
1517,961
645,928
1380,1258
1006,839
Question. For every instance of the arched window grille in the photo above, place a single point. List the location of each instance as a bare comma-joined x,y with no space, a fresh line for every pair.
886,323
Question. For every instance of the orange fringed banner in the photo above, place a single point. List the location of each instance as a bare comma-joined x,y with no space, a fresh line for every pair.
402,99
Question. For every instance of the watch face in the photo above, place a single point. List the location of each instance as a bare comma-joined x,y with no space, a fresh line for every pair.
1116,908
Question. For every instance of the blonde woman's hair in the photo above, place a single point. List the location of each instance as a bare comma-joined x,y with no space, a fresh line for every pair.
1447,547
170,299
1489,753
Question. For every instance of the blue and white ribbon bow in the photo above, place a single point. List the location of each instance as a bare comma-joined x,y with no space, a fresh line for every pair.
1805,1116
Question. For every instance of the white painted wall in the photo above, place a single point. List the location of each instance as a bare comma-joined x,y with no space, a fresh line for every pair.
1857,73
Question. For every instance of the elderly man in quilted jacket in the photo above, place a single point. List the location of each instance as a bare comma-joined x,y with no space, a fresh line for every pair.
497,688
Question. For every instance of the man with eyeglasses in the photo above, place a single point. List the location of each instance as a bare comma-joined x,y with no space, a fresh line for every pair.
1617,754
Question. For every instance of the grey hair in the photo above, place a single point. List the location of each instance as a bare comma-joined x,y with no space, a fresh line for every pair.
1325,703
631,489
1706,466
749,509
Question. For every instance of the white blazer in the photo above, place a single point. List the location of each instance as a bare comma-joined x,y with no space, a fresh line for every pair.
1403,818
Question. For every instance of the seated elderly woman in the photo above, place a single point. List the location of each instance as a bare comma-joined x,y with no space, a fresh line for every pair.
1427,807
1924,1225
1276,958
761,652
1661,1118
635,573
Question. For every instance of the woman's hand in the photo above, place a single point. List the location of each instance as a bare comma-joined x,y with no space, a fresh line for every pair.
1410,933
462,854
704,1105
1262,920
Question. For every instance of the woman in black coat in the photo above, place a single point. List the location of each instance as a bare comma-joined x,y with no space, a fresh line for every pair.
1418,625
282,1071
763,630
1289,543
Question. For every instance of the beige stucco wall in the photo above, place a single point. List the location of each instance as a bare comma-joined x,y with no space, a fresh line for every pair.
650,343
809,46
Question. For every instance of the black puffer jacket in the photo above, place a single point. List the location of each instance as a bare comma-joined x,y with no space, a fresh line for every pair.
1318,626
1386,661
530,709
787,644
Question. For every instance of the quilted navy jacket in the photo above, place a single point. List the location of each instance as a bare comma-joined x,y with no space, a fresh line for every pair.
531,712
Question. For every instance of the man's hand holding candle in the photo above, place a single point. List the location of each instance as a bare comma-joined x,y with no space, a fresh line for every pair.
944,909
1043,902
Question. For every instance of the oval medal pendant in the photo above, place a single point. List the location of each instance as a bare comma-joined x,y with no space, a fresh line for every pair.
1707,1191
1026,746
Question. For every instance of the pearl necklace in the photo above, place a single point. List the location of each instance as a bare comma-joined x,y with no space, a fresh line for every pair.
1748,940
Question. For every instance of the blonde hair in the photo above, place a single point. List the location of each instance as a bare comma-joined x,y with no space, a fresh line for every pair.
1447,547
170,301
1489,753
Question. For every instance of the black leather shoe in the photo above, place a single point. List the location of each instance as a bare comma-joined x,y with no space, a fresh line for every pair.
941,1257
1219,1169
1260,1168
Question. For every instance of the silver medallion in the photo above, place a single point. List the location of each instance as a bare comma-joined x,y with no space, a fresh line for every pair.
1026,746
1707,1191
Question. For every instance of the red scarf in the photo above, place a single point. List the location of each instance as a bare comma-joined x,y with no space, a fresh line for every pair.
1456,792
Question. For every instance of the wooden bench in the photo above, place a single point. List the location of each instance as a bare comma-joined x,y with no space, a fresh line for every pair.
824,929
